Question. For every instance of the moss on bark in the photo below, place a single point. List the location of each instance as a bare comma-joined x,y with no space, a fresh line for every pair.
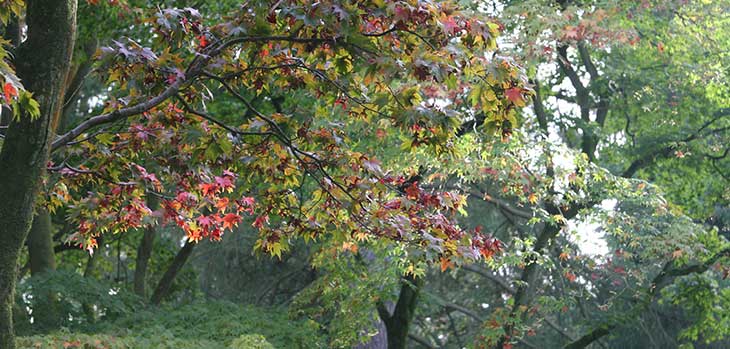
42,62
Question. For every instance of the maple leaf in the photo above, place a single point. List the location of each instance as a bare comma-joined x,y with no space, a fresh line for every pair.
446,264
450,26
209,189
231,220
222,204
514,94
205,221
412,191
570,276
248,201
225,183
9,92
260,220
202,41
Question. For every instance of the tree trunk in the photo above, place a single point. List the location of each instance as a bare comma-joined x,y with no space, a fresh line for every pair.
40,243
42,62
144,252
397,324
42,259
163,287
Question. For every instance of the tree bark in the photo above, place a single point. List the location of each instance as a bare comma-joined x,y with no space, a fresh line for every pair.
42,259
144,252
43,61
163,287
397,324
40,243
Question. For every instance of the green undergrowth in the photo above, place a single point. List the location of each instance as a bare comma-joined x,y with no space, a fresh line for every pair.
197,325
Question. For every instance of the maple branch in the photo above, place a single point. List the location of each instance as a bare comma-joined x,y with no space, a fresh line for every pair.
567,68
548,233
205,116
585,56
665,277
502,204
386,32
421,341
666,151
539,108
487,275
118,114
193,70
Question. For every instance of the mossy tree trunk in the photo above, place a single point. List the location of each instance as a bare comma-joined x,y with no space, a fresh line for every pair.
42,63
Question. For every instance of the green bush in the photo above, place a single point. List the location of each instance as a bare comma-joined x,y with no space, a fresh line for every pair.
250,341
70,300
221,322
101,341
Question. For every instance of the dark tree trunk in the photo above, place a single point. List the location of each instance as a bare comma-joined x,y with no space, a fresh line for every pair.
40,243
43,259
398,323
42,63
144,252
163,287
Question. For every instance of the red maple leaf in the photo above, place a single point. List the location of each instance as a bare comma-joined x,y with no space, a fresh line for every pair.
231,220
205,221
9,92
260,220
514,94
450,26
209,189
202,41
225,182
222,204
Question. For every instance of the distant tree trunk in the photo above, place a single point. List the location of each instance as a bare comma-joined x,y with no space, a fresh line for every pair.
163,287
90,265
144,252
43,259
398,323
40,243
42,63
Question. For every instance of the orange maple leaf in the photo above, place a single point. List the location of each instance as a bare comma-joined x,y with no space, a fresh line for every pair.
231,220
9,92
446,264
222,204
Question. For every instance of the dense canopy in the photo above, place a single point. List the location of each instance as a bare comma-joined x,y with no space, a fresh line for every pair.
365,174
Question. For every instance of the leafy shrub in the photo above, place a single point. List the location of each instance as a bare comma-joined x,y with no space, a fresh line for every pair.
221,322
71,299
100,341
250,341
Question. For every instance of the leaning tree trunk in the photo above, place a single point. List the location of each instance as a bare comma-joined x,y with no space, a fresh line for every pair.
398,323
165,284
42,62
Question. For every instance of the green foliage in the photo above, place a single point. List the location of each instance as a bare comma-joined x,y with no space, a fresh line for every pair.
342,300
196,325
64,340
250,341
76,300
221,322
